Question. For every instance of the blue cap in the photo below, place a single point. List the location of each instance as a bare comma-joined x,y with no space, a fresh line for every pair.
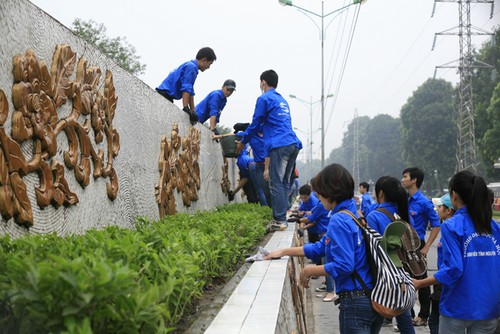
445,200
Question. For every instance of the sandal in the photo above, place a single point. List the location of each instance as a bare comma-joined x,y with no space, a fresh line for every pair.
419,322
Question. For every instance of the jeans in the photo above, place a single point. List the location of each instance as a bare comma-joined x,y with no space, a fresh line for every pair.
280,170
449,325
405,323
424,295
256,184
358,317
330,283
259,171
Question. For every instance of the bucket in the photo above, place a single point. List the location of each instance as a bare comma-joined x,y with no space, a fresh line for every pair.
228,145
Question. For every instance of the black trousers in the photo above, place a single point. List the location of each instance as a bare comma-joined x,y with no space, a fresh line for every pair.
165,94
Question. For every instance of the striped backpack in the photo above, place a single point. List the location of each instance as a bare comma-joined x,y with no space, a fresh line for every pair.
393,292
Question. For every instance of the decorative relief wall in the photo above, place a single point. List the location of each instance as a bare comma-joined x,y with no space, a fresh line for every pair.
37,96
179,171
224,182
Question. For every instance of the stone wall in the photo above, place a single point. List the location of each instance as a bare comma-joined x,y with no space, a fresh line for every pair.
81,139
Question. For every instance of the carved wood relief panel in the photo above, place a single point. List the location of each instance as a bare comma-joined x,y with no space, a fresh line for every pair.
179,169
224,182
37,96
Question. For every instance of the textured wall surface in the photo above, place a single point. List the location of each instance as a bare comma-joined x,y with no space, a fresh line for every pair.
141,118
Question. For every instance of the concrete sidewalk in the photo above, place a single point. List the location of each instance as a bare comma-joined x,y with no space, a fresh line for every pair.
323,317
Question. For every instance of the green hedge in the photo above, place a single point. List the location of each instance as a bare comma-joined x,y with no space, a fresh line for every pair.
121,280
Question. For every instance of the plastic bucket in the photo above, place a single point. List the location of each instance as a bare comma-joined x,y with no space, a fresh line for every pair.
228,145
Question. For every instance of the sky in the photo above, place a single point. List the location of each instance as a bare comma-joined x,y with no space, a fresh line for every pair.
375,54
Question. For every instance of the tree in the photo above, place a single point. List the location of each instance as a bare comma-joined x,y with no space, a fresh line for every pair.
118,49
491,139
428,131
484,82
383,147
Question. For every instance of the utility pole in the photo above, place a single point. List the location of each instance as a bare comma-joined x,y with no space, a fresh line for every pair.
355,157
466,155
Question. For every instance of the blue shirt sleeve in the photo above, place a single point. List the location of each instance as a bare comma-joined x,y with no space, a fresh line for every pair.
452,266
188,78
315,251
259,117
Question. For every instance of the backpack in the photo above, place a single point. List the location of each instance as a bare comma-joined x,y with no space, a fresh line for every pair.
409,253
393,292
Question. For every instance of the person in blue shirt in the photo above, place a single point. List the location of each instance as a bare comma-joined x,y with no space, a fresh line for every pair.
179,84
345,252
392,199
469,272
366,198
272,113
259,156
422,212
445,211
254,192
212,105
308,200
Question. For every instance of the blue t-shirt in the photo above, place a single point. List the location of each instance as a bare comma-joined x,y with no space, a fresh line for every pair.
258,146
211,105
422,211
243,161
470,269
273,112
366,203
344,249
310,204
378,220
181,80
320,217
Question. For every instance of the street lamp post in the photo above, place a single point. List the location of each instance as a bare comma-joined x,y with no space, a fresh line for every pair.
322,32
310,141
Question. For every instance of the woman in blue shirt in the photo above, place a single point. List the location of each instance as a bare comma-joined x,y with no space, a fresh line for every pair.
392,199
469,272
345,252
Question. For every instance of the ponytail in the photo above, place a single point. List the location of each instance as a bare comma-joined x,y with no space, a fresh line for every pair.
473,192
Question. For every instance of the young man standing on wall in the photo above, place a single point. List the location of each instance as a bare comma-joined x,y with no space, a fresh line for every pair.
283,146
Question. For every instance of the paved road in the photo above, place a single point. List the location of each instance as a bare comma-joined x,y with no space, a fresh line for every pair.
324,317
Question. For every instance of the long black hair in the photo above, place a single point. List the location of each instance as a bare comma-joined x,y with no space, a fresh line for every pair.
473,191
394,193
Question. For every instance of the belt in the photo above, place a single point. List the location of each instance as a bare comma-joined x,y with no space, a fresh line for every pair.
352,294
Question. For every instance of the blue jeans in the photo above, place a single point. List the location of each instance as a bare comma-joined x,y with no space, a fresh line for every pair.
256,184
330,284
259,171
449,325
280,170
358,317
405,323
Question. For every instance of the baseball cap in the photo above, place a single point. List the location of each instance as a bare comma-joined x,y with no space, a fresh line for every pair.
230,84
445,200
391,241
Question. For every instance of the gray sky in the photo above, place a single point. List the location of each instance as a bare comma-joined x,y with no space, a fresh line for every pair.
390,54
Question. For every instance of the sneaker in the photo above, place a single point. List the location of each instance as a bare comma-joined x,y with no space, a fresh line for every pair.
395,329
279,226
330,297
320,289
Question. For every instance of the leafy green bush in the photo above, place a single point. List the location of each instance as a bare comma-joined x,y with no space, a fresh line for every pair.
119,280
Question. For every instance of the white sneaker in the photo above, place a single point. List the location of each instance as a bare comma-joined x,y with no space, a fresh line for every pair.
330,297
